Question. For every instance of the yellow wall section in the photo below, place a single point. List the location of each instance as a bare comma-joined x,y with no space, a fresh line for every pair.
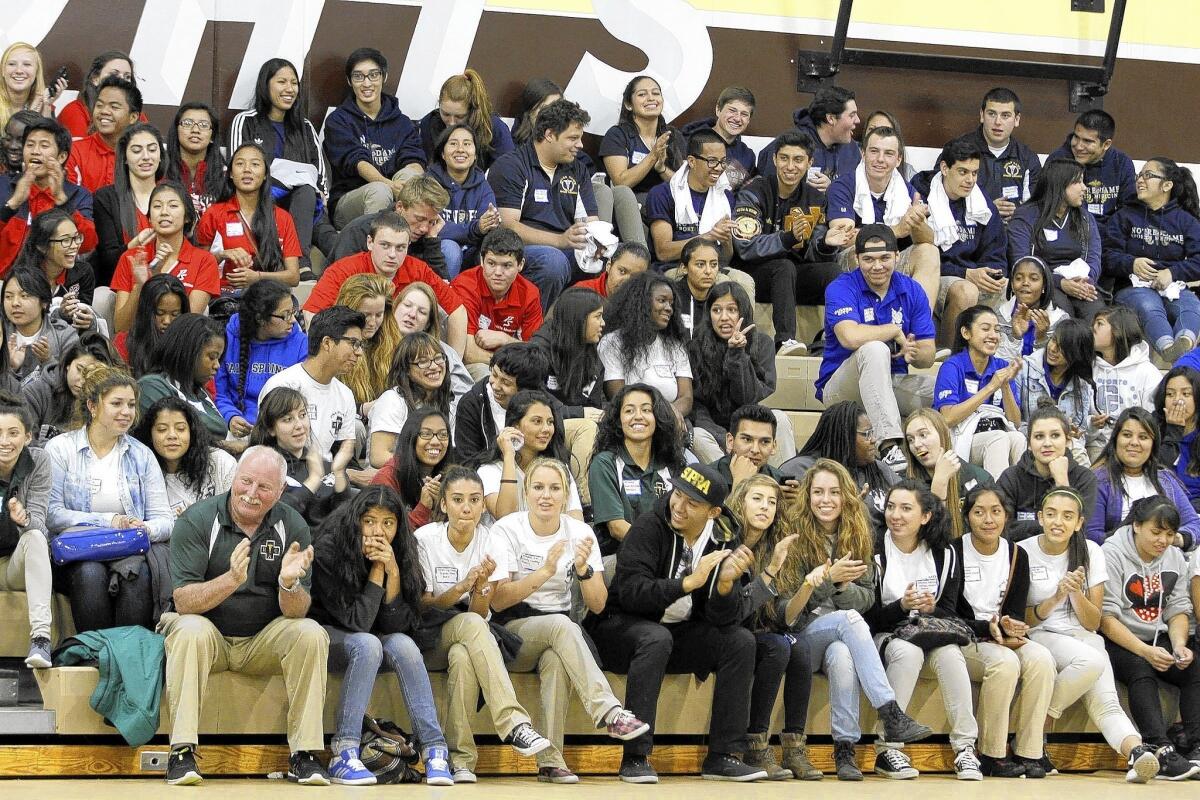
1161,23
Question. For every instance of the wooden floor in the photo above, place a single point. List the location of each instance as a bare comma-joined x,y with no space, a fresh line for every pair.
1100,786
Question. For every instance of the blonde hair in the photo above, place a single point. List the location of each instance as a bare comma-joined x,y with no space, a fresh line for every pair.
557,466
368,379
469,88
99,380
8,106
783,525
918,471
434,326
423,190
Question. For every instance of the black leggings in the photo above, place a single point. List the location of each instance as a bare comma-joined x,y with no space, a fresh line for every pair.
780,655
1142,681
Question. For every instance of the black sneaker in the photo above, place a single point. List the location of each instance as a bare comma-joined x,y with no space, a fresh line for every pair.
892,763
898,726
1000,767
181,766
304,769
846,762
1047,765
526,741
893,456
1172,766
726,767
637,769
1032,766
1143,765
1194,755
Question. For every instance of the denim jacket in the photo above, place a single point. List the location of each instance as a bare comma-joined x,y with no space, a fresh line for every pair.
143,490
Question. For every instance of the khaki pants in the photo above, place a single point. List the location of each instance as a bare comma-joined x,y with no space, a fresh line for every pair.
996,451
297,648
906,662
554,646
470,654
581,438
867,376
28,570
997,669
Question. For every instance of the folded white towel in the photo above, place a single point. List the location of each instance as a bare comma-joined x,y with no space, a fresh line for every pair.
896,200
941,218
716,204
1170,293
1076,269
600,245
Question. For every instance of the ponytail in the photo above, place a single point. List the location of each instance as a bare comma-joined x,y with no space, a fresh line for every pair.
1183,190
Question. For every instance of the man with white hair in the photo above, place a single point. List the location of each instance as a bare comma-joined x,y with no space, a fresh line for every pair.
240,566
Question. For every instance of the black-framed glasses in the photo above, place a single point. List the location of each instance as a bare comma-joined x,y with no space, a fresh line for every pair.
1147,176
430,363
713,163
361,77
426,435
68,241
291,316
198,124
353,341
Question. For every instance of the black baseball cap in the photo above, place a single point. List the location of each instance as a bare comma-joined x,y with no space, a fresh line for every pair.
701,482
869,233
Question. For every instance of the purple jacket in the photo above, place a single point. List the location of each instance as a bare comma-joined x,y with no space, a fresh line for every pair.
1106,517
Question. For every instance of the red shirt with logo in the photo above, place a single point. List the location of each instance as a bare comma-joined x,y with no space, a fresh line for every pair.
92,163
223,222
195,268
325,293
518,313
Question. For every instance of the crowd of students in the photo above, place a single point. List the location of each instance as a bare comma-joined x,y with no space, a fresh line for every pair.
494,437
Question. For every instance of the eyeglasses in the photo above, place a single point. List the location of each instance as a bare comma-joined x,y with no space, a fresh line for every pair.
68,241
713,163
198,124
869,433
289,317
430,363
441,436
353,341
1148,176
361,77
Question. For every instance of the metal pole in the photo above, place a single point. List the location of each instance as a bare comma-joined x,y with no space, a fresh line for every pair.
839,34
1114,40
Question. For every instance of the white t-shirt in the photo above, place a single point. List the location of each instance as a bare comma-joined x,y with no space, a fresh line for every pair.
442,566
659,367
498,411
217,480
388,414
1135,488
985,578
527,553
331,408
681,609
1045,571
1195,570
490,475
104,475
917,567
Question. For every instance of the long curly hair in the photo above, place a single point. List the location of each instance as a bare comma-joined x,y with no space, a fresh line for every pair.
918,472
143,335
369,377
337,546
783,525
408,469
194,465
255,308
411,349
628,313
666,443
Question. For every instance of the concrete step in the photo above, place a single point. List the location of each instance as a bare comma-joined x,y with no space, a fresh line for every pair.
26,719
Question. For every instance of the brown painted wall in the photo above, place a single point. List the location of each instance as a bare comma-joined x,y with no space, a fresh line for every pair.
931,106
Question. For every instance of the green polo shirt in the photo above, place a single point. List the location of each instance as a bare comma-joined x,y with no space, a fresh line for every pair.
197,555
628,495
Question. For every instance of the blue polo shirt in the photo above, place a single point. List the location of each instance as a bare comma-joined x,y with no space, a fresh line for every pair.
958,381
839,200
660,205
849,298
546,204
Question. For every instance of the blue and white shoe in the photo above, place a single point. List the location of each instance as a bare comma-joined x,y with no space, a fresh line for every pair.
347,769
437,767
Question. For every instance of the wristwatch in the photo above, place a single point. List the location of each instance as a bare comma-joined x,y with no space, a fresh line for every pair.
591,571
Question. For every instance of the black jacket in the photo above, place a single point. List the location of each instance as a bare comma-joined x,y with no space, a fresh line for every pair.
644,583
1014,599
747,376
761,228
368,613
884,617
1026,487
475,428
592,395
106,211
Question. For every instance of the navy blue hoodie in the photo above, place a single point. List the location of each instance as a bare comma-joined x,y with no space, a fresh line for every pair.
977,245
834,160
468,201
1023,240
1009,176
1109,183
389,142
432,127
741,157
1170,237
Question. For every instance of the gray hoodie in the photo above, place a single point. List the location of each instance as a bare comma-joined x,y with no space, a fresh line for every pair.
1144,596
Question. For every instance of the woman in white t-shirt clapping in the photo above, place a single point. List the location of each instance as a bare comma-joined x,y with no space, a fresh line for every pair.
462,563
548,552
1066,593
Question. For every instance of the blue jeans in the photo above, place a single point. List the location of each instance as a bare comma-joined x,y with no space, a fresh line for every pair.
549,269
1162,318
359,656
100,600
840,642
452,251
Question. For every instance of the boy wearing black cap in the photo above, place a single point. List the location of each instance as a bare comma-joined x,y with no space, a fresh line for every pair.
674,605
877,324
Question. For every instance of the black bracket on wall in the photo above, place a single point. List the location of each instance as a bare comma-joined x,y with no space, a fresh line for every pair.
1087,84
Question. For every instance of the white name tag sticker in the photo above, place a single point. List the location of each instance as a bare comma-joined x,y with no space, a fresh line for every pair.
1050,234
637,158
233,229
686,319
971,384
971,574
1096,208
541,196
928,585
531,562
1038,573
1011,192
445,575
1026,516
633,487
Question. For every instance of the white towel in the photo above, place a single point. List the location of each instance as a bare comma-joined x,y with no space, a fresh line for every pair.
1076,269
599,248
941,218
1170,293
716,204
896,199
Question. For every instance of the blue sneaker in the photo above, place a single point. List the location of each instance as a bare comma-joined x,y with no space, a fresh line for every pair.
347,769
437,767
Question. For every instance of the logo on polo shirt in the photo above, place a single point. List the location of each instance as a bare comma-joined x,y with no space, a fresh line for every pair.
897,316
841,312
568,185
942,395
1012,168
270,550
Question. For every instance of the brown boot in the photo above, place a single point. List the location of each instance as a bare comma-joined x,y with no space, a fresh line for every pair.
795,757
759,753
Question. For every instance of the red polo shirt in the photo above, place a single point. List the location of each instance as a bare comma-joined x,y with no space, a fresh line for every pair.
195,268
223,221
518,313
598,285
91,163
412,270
12,233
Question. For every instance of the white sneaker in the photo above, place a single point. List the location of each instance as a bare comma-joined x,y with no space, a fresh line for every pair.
792,348
464,775
966,765
942,355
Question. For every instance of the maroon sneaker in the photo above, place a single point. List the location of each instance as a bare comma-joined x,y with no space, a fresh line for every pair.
626,726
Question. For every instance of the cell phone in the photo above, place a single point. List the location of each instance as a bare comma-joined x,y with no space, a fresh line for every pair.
61,75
